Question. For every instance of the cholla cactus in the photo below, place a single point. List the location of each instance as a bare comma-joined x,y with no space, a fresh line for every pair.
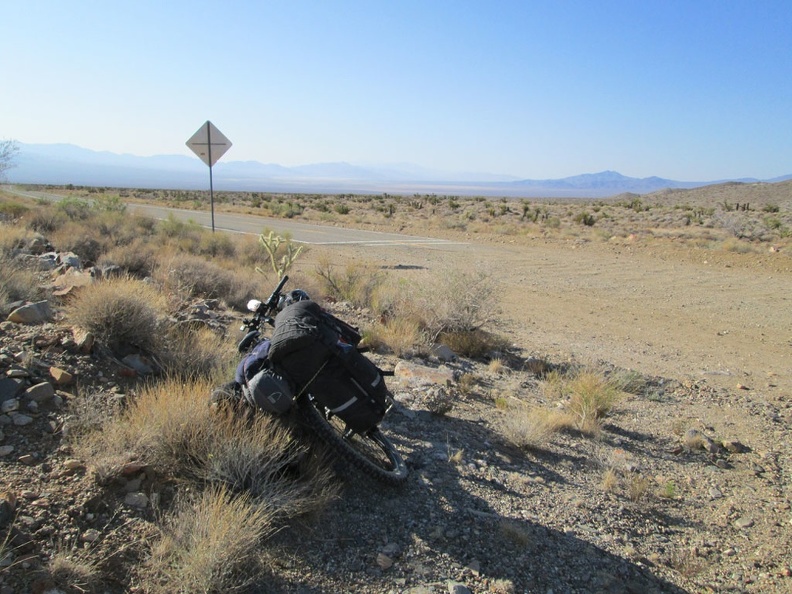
281,260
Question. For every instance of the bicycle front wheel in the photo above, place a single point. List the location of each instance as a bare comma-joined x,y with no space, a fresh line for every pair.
371,453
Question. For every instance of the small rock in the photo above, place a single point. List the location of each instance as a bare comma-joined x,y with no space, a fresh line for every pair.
474,566
73,464
139,363
84,340
27,459
384,562
33,313
9,405
733,446
61,376
40,393
422,375
90,535
715,493
5,450
137,500
457,588
21,420
392,550
132,468
743,522
17,373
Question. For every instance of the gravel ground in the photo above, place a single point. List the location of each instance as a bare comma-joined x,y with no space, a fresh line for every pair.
698,494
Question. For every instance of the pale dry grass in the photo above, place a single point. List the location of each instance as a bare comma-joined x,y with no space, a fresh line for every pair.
120,313
592,396
401,336
171,428
209,545
532,428
610,480
193,276
192,352
74,570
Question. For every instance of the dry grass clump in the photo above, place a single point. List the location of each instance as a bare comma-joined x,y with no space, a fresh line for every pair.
209,545
193,276
610,480
171,428
12,239
475,343
81,238
138,258
355,282
121,313
197,351
592,396
400,336
74,571
17,283
531,428
588,396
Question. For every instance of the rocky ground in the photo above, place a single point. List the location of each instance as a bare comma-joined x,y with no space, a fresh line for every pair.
686,489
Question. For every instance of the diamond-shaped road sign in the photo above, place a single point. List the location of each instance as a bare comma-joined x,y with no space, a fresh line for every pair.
209,143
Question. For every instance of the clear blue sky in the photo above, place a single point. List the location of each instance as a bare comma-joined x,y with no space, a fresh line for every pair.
687,90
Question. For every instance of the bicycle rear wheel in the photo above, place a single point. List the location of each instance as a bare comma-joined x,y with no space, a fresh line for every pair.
372,453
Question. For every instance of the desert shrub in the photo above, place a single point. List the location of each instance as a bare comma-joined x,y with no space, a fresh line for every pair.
75,209
121,313
11,210
455,302
185,236
216,245
192,352
356,283
137,259
192,276
84,240
46,219
737,246
18,283
474,344
171,428
208,545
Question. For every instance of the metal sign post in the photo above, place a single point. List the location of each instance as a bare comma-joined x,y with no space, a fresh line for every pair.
201,143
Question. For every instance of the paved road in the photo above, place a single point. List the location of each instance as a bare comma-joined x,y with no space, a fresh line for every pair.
300,232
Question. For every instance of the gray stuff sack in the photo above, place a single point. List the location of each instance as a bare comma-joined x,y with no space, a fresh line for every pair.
269,391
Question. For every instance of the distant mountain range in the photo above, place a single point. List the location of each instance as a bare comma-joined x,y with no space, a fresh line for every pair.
61,164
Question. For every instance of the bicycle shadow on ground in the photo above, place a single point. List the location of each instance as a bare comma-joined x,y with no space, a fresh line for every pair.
472,519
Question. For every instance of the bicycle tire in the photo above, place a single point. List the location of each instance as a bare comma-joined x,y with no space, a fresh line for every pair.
373,453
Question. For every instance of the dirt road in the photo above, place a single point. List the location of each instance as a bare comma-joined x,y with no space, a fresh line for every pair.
658,310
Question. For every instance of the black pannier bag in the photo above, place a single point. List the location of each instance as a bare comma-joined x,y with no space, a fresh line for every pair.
352,388
317,352
301,342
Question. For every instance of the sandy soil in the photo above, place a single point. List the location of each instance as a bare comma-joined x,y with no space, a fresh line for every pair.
655,308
